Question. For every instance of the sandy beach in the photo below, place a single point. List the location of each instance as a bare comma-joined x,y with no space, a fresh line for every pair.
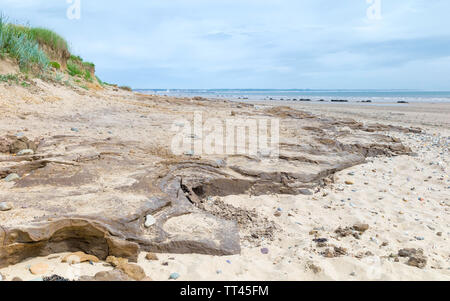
355,228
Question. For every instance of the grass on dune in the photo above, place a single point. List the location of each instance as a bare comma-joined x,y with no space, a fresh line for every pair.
47,37
32,48
17,43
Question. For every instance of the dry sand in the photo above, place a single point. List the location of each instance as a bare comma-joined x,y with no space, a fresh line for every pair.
404,200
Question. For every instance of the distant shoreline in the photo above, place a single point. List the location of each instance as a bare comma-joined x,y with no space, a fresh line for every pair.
313,96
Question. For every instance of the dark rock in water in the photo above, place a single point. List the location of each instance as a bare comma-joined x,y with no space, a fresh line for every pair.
56,278
402,101
366,101
339,100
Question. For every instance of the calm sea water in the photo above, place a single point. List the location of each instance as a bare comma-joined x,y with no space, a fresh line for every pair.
352,96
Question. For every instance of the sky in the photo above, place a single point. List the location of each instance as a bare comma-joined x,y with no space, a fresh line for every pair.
265,44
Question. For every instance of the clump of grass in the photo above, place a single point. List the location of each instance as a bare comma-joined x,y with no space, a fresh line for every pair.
126,88
48,37
9,78
55,65
17,43
87,75
89,65
73,69
76,58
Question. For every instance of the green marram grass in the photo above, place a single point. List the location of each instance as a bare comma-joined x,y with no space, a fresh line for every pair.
47,37
73,68
18,44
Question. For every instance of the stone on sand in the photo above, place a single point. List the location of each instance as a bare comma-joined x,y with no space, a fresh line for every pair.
79,257
151,256
39,268
133,271
6,206
12,177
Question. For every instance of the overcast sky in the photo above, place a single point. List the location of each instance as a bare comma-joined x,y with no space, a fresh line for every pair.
255,43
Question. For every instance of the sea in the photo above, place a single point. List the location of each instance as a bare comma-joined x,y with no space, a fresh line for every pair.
320,96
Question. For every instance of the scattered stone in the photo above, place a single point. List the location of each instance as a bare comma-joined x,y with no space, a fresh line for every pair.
116,262
6,206
17,279
418,261
265,251
149,221
361,227
151,256
439,234
305,192
55,278
316,269
26,152
336,252
277,214
320,240
133,271
12,177
75,130
79,257
39,269
340,251
114,275
349,182
21,143
409,252
356,231
419,238
174,276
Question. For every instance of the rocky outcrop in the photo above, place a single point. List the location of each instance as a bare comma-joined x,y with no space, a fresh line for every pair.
79,193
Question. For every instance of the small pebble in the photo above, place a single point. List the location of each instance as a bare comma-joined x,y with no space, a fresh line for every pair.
12,177
174,276
265,251
5,206
25,152
149,221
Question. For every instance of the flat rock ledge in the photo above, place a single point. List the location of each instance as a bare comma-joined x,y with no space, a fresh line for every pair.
78,193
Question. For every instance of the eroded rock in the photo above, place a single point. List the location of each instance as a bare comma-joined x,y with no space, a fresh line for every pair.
82,194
